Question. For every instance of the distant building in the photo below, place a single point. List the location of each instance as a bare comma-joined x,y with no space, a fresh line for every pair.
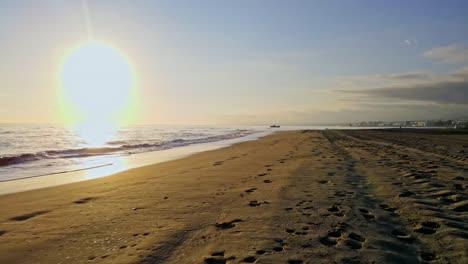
419,123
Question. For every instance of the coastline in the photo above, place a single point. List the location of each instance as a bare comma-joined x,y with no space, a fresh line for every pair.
122,163
303,196
118,165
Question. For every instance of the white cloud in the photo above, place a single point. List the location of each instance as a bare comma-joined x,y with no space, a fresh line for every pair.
410,42
454,53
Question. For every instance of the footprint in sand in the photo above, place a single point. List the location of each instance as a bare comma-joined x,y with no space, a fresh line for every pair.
295,261
228,225
280,245
324,181
335,234
357,237
306,246
300,233
29,215
355,241
218,258
328,241
387,208
366,214
255,203
460,207
218,254
402,236
331,238
300,203
251,190
84,200
406,194
249,259
428,256
278,248
427,227
336,210
340,194
353,244
217,163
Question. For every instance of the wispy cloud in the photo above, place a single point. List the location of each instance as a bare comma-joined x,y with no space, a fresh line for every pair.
400,76
374,80
461,75
449,89
410,42
443,92
367,111
455,53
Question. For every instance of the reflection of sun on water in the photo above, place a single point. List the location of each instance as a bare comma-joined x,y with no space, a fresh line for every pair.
118,164
95,132
96,84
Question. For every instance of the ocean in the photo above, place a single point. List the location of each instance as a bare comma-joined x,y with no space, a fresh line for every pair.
35,150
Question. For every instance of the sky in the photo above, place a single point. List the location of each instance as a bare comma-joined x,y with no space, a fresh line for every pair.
246,61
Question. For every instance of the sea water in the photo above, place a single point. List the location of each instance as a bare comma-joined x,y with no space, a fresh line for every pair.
28,150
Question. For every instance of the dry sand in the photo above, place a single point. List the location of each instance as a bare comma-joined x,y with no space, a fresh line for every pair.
292,197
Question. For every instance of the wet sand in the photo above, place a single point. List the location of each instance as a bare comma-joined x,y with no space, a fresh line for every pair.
380,196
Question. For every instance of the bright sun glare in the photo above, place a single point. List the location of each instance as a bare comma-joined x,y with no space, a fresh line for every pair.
96,83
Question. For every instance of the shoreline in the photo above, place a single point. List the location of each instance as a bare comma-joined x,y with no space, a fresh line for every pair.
120,164
123,163
290,197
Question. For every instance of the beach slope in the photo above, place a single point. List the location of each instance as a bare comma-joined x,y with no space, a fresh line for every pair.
377,196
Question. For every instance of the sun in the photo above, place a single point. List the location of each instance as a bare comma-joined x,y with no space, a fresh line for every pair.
96,86
96,82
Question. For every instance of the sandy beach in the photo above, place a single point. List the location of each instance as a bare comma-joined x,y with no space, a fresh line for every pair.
332,196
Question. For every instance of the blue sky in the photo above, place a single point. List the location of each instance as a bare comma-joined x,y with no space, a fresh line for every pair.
246,62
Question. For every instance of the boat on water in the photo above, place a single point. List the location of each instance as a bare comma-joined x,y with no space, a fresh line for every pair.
274,126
